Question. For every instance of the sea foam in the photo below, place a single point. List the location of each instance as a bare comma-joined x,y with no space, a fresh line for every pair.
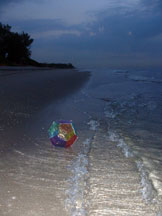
93,124
147,188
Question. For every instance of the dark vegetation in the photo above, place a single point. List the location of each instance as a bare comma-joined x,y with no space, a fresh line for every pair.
15,50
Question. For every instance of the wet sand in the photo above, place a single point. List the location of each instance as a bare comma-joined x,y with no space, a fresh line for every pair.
115,188
24,92
91,178
33,173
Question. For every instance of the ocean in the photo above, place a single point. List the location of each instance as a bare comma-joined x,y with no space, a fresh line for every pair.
115,166
124,108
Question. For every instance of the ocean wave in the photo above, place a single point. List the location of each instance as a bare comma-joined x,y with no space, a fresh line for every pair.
93,124
128,110
147,189
121,71
75,202
144,79
120,143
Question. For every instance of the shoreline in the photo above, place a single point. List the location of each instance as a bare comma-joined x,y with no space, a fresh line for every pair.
33,63
25,93
93,176
33,172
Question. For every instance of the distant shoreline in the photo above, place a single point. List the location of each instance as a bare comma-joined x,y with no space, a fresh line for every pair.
31,62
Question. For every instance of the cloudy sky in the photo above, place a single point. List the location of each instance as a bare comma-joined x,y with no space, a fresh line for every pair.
89,33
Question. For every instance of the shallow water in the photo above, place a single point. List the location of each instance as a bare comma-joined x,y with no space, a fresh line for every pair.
133,111
115,166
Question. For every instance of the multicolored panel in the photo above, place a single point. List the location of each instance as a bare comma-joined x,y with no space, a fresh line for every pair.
53,130
56,141
69,135
71,141
66,127
74,129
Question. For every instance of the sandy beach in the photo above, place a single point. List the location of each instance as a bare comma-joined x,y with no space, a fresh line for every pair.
24,92
93,177
26,95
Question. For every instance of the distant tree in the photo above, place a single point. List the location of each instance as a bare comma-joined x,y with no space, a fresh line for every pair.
14,47
4,35
18,47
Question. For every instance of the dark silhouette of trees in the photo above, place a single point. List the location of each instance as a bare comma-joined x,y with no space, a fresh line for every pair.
15,50
4,35
14,47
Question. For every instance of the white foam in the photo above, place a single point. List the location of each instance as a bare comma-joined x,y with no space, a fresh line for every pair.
145,79
19,152
148,191
75,202
110,114
114,109
147,188
93,124
125,148
121,143
113,136
86,146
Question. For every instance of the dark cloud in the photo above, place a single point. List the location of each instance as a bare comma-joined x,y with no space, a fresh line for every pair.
42,25
129,28
47,29
5,2
35,25
152,4
118,32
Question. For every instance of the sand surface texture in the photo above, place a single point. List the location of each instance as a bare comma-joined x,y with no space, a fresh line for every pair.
91,178
114,182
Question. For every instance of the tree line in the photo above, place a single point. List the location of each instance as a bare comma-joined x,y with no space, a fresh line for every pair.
14,47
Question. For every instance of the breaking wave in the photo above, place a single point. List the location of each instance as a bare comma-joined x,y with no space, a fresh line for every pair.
144,79
147,189
76,202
